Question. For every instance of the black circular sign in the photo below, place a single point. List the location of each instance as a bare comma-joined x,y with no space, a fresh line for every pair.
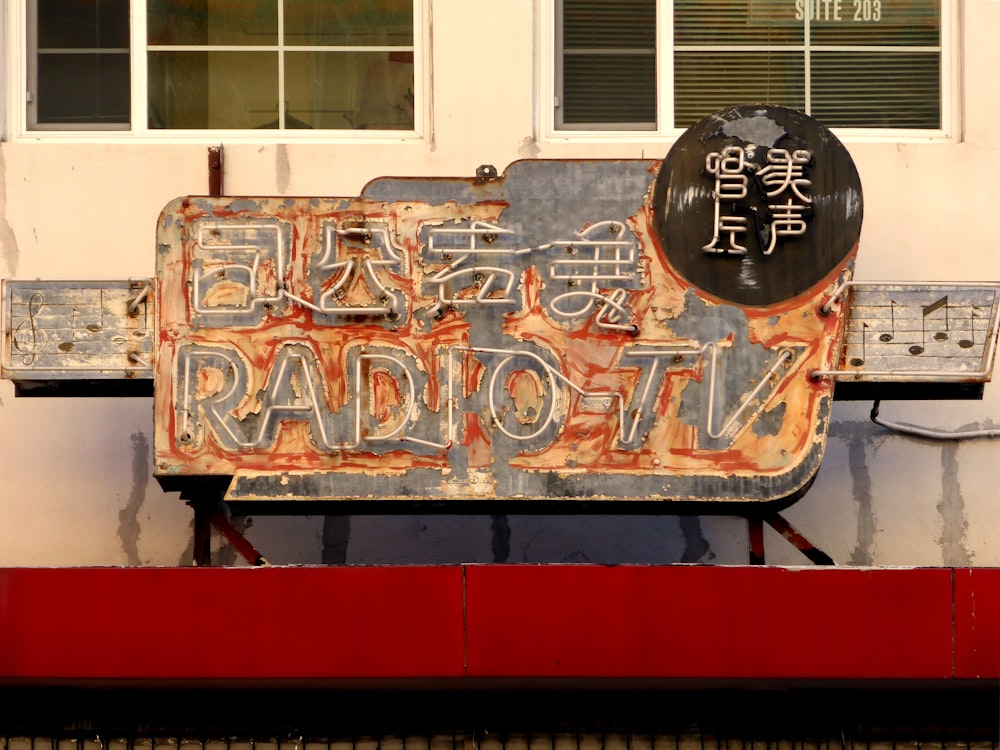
756,204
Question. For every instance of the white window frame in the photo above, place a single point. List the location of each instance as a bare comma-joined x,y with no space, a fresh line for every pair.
548,67
20,51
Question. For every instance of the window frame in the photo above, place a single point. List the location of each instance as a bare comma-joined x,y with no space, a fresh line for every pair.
549,70
22,57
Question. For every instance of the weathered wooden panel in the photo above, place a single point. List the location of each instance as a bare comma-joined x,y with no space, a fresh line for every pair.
920,331
78,330
921,340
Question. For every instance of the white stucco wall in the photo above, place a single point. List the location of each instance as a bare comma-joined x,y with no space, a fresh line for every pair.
75,481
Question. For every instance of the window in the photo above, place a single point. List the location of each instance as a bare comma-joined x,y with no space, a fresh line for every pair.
239,65
79,74
658,66
608,65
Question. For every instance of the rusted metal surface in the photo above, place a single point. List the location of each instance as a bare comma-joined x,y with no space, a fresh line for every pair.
78,330
528,336
625,331
778,522
216,171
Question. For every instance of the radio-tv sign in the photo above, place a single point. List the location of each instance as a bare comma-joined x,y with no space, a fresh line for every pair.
618,332
569,330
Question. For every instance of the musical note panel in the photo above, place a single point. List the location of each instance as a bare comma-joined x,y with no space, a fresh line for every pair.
65,330
920,332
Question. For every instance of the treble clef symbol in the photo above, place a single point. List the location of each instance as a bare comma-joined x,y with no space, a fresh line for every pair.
29,345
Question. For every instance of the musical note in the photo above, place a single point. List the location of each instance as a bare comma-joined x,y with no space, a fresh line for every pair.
934,306
926,330
67,346
95,327
940,335
858,361
970,342
29,349
886,337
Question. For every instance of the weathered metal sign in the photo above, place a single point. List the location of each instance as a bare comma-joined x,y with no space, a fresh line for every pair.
570,330
600,331
82,330
909,335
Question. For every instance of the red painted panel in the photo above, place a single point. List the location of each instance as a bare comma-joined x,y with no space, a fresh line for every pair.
216,623
523,622
708,622
977,623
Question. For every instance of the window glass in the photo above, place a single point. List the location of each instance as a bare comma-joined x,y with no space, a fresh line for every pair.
81,71
320,75
608,89
209,90
759,22
889,91
880,22
849,63
348,22
705,82
362,90
222,64
88,88
75,24
179,22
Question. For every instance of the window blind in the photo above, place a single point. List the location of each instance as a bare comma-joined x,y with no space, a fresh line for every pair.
608,64
849,63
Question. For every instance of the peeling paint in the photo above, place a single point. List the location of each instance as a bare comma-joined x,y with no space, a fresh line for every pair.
696,547
8,240
858,441
129,528
282,168
529,148
955,527
356,349
336,539
500,529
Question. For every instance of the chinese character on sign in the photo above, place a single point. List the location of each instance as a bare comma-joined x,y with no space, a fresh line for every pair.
784,174
598,258
730,187
784,186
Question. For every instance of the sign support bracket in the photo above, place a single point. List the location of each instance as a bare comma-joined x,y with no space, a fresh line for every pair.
777,522
206,500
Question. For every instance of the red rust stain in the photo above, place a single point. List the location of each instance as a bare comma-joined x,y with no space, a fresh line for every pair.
227,293
473,373
386,396
476,442
528,394
210,382
532,309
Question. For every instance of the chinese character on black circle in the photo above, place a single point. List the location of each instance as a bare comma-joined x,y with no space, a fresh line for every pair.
730,187
784,173
782,178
